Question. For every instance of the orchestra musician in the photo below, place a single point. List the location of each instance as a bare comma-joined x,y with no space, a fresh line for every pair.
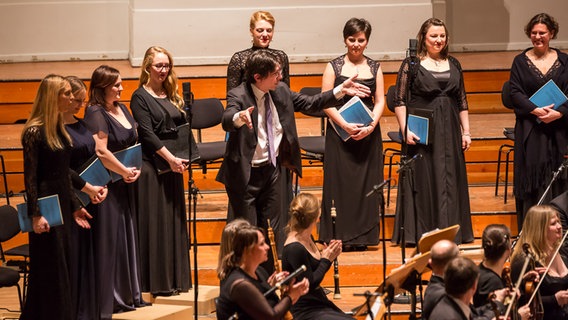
542,231
243,282
442,254
496,243
300,249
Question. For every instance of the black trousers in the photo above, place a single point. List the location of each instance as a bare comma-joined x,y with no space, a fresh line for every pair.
258,202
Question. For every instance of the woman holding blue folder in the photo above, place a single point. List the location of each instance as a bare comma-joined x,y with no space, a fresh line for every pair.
47,153
541,134
353,167
433,191
114,228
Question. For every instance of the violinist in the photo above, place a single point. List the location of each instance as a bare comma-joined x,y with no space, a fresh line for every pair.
496,250
542,232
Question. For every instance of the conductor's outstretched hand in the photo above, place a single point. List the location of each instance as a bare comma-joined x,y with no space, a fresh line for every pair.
352,88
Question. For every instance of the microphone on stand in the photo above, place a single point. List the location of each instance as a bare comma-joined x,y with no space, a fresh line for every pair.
410,161
187,95
412,47
378,187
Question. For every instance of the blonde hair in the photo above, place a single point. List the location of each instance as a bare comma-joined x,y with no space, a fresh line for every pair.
535,232
259,16
171,82
227,236
304,210
46,113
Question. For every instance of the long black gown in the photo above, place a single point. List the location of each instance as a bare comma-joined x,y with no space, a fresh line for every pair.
439,178
114,228
314,304
351,169
83,265
162,221
46,172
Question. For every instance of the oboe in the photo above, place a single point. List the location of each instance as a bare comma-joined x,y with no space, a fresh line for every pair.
336,293
277,268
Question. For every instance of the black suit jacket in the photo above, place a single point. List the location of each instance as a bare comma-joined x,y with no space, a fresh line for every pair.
236,166
434,292
447,309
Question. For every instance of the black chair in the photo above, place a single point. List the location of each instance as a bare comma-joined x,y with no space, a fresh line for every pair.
207,113
394,136
313,147
5,178
505,148
11,278
9,228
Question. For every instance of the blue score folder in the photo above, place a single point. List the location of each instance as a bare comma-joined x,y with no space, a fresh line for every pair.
548,94
354,111
49,208
97,175
129,157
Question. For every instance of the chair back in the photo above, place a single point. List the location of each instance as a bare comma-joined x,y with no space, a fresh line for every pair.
206,113
9,225
506,95
390,98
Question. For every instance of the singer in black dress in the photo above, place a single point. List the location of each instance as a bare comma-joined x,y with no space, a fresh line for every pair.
437,186
162,221
114,228
299,250
47,153
353,167
541,134
83,262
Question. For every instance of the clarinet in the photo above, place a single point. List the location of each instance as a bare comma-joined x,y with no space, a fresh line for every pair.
336,293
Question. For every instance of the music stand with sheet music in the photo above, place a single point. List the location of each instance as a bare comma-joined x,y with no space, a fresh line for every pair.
399,278
407,276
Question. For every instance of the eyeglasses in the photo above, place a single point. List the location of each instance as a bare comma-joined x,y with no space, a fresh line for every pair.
162,66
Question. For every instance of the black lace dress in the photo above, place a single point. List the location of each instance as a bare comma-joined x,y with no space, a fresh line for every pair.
236,67
46,172
351,169
83,266
114,228
439,178
162,226
539,147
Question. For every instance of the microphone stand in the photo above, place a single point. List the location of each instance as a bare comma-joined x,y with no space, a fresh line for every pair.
192,196
376,189
406,173
555,175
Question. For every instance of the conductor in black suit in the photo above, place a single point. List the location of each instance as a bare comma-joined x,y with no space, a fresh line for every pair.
262,135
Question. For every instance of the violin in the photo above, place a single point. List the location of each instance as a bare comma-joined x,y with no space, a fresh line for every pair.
510,299
492,297
535,302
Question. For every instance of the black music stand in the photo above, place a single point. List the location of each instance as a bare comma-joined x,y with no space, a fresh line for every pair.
193,191
403,277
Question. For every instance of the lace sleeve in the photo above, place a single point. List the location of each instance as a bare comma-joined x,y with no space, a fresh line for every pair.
31,141
285,68
235,71
402,83
461,98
